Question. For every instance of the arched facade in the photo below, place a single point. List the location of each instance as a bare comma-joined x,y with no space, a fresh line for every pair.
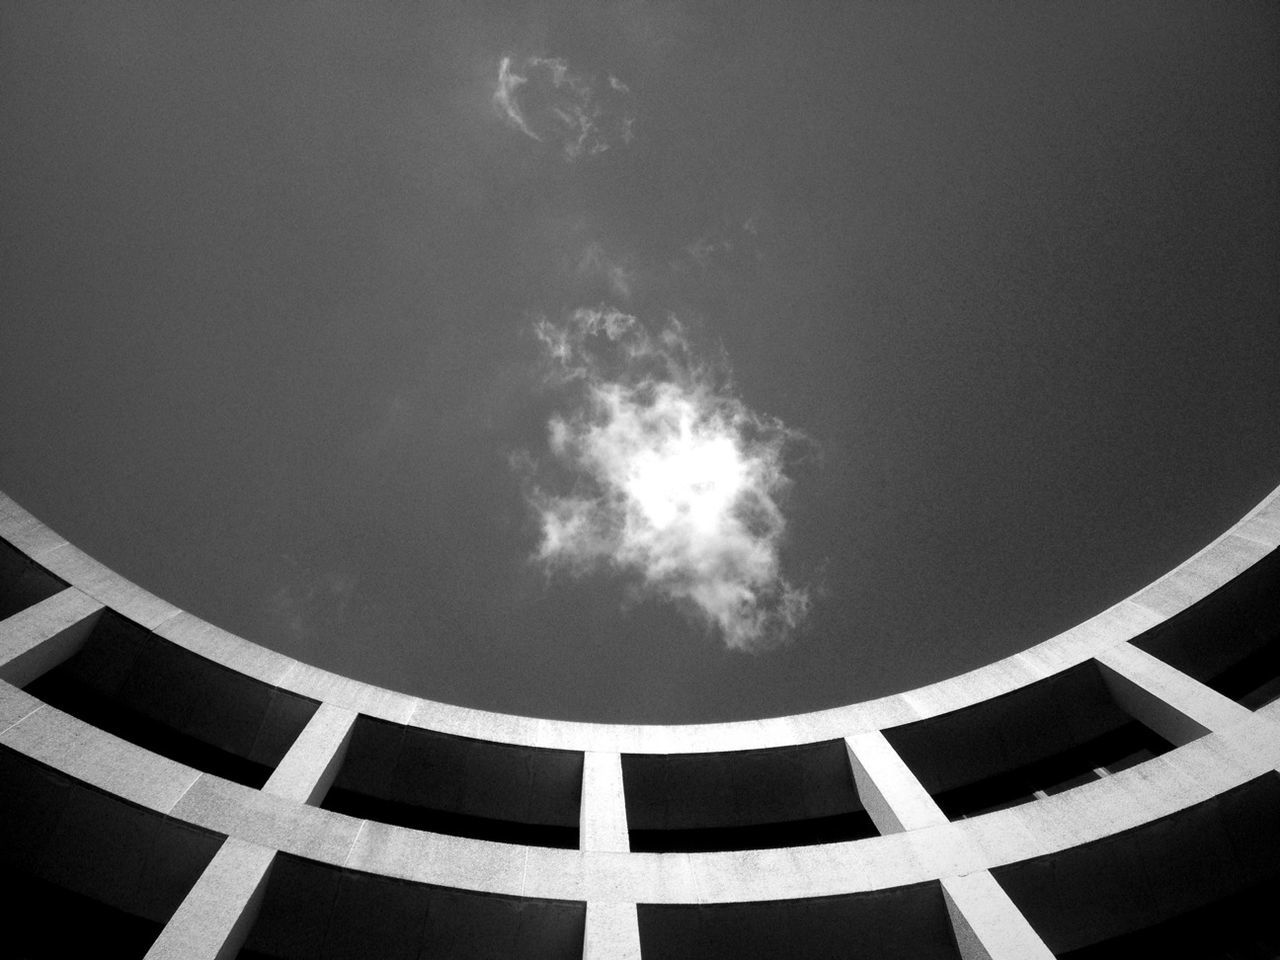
172,790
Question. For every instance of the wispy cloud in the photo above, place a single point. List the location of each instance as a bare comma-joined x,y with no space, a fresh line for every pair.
545,100
504,97
654,469
595,264
736,244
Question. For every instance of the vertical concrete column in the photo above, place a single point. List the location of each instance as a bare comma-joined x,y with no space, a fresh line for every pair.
602,817
40,637
219,911
1174,705
889,791
307,770
613,932
986,923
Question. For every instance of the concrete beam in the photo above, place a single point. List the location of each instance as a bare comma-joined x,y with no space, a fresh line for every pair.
1174,705
40,637
214,920
603,813
889,791
613,932
306,772
986,923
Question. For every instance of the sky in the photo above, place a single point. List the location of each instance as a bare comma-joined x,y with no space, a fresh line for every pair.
639,361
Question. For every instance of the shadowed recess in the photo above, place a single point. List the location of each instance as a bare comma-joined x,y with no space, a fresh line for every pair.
1043,738
858,925
142,688
88,874
743,800
1212,853
1239,927
23,582
1230,640
446,784
313,910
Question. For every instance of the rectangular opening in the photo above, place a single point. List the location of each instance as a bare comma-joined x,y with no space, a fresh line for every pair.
1239,927
1229,640
142,688
1043,739
902,923
313,910
743,799
1204,876
88,874
23,582
427,780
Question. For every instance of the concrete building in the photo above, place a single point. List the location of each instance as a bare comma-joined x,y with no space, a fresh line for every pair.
171,790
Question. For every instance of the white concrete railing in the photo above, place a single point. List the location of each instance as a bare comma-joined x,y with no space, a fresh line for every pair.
1254,536
1223,746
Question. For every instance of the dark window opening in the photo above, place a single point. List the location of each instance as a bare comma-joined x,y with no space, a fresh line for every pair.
1229,640
1240,927
756,836
901,923
1254,681
312,909
743,799
426,780
64,691
1144,885
44,921
1044,738
139,687
1110,753
23,582
400,814
89,874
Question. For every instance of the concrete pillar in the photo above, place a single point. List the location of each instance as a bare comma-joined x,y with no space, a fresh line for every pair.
602,818
986,923
219,911
613,932
40,637
1174,705
306,772
889,791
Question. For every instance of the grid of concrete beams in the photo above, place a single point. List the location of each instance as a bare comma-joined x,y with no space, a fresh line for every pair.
1102,783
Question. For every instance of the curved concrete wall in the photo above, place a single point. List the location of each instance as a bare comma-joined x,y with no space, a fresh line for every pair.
1217,748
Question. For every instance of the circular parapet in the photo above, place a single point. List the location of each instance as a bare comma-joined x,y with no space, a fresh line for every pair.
1114,781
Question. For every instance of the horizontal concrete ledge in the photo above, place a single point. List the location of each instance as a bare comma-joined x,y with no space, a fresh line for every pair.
1245,543
1175,781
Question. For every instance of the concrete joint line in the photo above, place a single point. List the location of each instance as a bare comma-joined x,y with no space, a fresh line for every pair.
30,713
346,859
187,789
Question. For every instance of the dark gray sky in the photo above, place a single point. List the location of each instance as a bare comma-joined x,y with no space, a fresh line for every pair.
270,273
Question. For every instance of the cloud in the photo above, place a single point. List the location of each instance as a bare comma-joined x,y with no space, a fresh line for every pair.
595,264
546,101
732,244
702,250
655,470
504,97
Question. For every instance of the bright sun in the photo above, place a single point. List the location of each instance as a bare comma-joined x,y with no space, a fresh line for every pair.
674,479
687,477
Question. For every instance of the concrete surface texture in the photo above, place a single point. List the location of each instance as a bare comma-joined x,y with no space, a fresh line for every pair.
191,794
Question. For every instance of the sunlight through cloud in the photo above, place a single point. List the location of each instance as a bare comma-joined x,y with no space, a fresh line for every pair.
657,471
